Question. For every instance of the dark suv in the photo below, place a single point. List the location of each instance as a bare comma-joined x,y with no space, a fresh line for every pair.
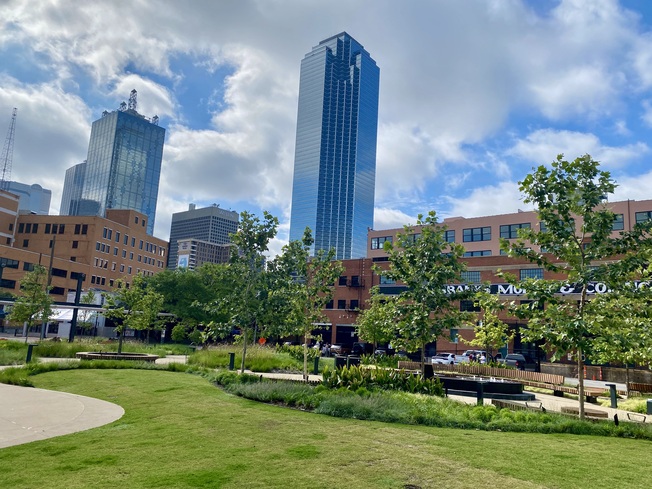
521,362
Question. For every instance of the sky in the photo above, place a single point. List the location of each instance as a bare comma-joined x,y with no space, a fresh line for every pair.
473,94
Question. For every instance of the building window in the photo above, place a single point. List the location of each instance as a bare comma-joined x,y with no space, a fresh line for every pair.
25,243
619,222
21,227
75,244
329,305
115,251
414,237
355,281
643,216
28,228
11,226
62,228
117,236
354,304
57,291
122,268
92,279
131,255
140,258
469,306
124,253
474,254
28,267
386,280
73,258
449,235
136,219
378,243
129,270
140,247
9,263
341,304
84,229
97,246
343,280
77,228
510,231
133,242
58,272
535,273
470,277
35,228
477,234
126,240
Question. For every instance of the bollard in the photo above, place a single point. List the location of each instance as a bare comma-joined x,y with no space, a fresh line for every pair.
30,348
315,369
614,395
348,362
231,361
649,406
480,394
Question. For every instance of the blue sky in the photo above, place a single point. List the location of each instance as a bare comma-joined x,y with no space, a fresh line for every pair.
473,94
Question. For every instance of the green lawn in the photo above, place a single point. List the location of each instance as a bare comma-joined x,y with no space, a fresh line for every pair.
181,432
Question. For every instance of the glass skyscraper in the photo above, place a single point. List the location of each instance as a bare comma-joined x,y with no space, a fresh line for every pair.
123,165
72,190
335,155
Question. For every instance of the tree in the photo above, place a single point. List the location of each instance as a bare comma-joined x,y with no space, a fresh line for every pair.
306,286
34,304
575,241
134,306
491,332
243,305
376,324
426,263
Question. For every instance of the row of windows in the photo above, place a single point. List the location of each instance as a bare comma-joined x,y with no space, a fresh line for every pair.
378,243
509,231
354,304
355,281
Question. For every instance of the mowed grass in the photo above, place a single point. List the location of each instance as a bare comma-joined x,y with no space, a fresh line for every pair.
179,431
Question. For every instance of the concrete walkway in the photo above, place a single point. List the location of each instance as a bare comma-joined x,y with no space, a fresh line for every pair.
28,414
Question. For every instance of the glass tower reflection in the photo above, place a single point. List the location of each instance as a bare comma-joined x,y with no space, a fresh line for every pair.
123,165
335,155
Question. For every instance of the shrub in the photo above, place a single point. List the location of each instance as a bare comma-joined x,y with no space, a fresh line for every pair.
354,377
296,352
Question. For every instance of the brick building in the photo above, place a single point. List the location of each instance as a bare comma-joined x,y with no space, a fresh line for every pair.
104,249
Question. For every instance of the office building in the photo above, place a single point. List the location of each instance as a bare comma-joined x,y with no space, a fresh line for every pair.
123,164
335,158
34,199
72,190
104,249
193,253
212,225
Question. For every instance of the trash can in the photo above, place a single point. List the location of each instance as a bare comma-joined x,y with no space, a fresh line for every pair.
315,369
649,406
30,348
340,361
231,361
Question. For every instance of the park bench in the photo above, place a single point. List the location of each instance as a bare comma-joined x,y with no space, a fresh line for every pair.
639,387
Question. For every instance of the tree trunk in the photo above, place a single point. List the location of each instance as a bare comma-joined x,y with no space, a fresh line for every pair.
627,379
423,360
580,380
120,337
305,356
244,350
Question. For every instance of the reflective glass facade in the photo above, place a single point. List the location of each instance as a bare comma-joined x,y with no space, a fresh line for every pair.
72,190
123,165
335,158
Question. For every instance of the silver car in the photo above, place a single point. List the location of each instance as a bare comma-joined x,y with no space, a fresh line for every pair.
443,358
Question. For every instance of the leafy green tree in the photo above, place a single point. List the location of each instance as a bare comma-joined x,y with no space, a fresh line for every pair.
376,324
575,241
426,263
243,305
134,306
34,304
491,332
306,286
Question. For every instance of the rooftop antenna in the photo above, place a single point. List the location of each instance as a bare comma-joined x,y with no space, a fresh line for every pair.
8,152
123,106
133,100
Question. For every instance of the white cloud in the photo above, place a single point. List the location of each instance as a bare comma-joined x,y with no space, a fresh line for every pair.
490,200
543,146
391,218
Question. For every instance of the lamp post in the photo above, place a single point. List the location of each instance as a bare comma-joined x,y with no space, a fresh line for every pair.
75,311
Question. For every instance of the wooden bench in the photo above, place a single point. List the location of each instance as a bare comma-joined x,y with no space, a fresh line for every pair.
590,413
639,387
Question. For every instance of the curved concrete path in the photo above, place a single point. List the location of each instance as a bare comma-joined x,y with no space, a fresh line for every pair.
28,414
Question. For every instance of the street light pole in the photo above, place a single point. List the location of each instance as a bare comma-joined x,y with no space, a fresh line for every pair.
75,311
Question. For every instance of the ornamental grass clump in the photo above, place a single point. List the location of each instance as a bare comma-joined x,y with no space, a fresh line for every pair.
353,378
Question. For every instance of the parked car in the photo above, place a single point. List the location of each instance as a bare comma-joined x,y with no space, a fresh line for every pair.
384,350
443,358
361,348
466,356
520,361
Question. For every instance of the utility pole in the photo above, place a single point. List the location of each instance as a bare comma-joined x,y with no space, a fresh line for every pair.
44,326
